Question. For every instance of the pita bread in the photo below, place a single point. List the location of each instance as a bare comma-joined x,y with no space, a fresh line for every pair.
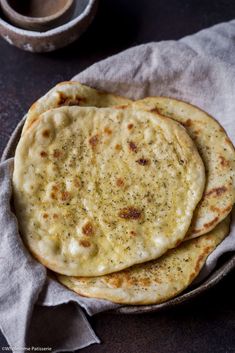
98,190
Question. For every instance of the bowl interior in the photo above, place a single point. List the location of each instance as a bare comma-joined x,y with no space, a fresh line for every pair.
38,8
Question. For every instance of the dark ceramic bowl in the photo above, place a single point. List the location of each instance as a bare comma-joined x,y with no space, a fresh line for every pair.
217,275
55,38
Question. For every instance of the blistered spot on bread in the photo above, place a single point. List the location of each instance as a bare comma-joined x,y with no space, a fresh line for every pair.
85,243
65,195
132,146
53,196
209,224
133,233
197,132
130,126
120,182
118,147
221,210
143,161
57,153
114,281
216,191
46,133
131,280
76,181
93,141
227,209
187,123
215,209
145,282
43,154
108,131
130,213
68,101
224,162
80,247
88,229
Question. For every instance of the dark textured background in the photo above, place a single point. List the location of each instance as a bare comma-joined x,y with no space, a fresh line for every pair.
207,324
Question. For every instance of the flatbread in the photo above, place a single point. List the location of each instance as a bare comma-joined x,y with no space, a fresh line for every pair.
218,155
71,94
152,282
98,190
210,138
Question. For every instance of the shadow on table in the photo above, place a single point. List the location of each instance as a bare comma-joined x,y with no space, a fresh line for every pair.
114,28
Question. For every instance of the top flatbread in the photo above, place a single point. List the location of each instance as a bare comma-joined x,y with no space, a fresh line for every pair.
217,153
71,94
98,190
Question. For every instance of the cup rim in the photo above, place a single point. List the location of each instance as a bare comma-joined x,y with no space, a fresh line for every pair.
8,9
54,31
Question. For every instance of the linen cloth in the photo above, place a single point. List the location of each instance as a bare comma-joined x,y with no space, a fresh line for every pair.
36,311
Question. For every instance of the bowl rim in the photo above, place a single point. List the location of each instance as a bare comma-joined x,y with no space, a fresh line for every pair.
54,31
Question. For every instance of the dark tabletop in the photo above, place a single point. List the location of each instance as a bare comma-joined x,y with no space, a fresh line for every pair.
206,325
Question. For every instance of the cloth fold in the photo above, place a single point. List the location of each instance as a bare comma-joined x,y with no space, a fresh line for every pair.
35,310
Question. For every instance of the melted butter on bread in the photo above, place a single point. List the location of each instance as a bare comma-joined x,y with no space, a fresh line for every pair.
76,180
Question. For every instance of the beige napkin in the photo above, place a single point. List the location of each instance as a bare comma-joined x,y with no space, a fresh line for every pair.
36,310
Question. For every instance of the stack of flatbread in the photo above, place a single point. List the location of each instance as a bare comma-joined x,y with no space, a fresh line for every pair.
123,200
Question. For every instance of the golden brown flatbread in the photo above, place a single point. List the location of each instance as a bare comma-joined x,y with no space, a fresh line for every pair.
98,190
